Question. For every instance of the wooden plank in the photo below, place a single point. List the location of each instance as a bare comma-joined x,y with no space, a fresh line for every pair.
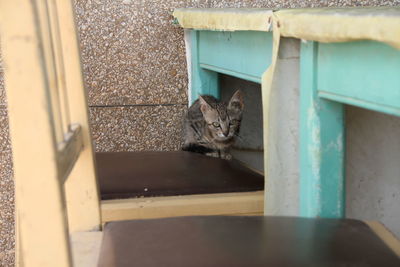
86,248
48,54
202,81
38,190
321,145
230,72
243,54
69,150
58,59
360,103
390,240
81,188
362,73
160,207
18,252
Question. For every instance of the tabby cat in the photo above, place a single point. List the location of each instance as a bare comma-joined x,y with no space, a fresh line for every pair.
210,126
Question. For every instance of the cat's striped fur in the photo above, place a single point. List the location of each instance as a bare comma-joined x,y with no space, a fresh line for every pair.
210,126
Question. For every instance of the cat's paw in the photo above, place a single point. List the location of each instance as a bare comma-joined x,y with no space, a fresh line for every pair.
212,154
221,155
226,156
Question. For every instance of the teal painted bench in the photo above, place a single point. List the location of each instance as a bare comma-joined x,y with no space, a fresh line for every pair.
349,59
235,42
242,54
360,73
352,57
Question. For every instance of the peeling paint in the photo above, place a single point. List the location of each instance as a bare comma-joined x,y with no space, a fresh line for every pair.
322,145
336,145
315,142
314,154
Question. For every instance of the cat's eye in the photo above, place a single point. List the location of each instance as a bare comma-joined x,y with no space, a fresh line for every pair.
234,122
215,124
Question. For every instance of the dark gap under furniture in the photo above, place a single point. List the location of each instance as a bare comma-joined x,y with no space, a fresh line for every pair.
149,174
249,147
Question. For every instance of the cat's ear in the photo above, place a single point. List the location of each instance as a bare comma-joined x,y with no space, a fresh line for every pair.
204,106
236,101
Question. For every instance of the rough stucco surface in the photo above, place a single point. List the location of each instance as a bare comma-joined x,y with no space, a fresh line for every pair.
137,128
5,144
6,184
132,55
6,210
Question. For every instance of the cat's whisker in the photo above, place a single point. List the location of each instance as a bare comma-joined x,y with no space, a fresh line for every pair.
238,136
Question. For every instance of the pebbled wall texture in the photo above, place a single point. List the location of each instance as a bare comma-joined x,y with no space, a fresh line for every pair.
135,72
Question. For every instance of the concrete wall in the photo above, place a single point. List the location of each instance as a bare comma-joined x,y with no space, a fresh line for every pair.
372,167
283,159
135,71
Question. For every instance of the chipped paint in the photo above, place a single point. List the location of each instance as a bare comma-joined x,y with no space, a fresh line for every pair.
315,142
336,144
321,143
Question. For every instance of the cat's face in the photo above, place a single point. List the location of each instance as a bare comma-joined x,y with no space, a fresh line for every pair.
223,120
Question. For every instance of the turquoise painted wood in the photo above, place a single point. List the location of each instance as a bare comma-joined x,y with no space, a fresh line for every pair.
203,82
242,54
321,144
362,73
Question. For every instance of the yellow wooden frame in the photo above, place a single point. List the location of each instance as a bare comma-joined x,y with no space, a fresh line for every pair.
49,130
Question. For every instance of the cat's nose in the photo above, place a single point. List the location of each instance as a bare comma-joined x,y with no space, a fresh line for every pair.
225,130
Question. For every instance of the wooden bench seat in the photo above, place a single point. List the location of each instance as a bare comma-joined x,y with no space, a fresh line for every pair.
243,241
144,185
151,174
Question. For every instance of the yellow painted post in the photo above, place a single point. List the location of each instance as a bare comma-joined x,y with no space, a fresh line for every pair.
18,254
58,63
81,187
39,194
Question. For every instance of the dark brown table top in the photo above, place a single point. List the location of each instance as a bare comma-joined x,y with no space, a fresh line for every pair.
136,174
243,241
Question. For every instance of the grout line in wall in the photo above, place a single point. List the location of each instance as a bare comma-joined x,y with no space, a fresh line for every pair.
137,105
